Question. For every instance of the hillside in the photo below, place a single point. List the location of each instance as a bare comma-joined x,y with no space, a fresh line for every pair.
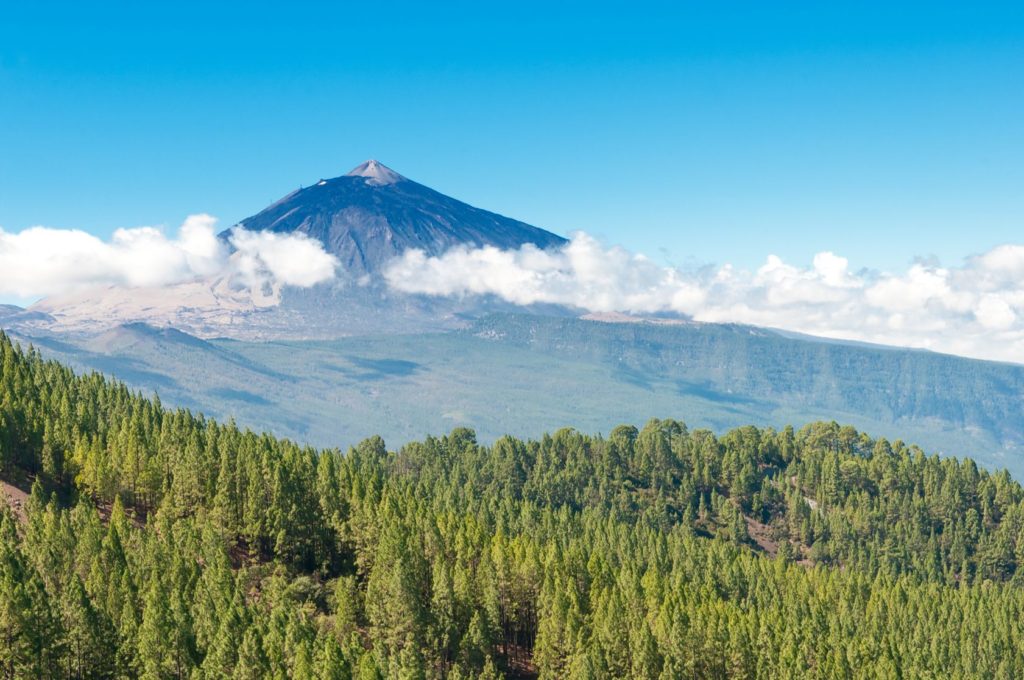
161,544
752,366
517,374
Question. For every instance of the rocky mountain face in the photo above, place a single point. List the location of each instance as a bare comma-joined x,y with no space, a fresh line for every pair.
373,214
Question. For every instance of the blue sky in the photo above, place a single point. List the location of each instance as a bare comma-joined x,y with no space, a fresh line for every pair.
696,133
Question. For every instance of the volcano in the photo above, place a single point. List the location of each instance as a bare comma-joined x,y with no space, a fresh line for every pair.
373,214
366,218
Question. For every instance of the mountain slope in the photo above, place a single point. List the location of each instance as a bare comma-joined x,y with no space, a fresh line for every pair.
523,373
753,365
373,214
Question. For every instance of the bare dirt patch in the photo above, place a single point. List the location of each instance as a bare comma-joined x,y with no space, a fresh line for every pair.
15,497
761,534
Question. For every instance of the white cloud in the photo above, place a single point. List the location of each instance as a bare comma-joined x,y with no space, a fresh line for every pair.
289,259
976,309
582,273
41,261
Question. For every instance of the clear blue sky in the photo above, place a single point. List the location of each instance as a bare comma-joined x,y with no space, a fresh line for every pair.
694,132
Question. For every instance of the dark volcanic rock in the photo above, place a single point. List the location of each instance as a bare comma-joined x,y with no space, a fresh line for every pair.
373,214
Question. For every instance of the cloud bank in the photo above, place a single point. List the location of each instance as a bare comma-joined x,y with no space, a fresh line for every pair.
975,309
41,261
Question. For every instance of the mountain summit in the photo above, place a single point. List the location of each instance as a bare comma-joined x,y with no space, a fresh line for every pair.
372,214
376,173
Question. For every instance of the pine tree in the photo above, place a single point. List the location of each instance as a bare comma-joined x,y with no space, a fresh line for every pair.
156,653
252,662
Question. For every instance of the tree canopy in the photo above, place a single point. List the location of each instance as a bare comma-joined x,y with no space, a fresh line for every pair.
159,544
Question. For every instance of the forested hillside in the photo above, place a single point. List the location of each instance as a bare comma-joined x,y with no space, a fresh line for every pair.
160,544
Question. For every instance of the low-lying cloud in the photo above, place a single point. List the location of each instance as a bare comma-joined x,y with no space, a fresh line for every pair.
975,309
41,261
